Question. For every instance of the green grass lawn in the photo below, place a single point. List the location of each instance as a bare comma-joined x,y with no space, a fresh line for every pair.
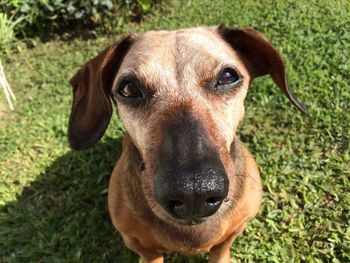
53,205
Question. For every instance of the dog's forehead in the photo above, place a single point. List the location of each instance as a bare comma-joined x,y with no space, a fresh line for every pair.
183,41
175,55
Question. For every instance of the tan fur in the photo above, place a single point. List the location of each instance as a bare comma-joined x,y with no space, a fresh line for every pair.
176,66
174,90
221,116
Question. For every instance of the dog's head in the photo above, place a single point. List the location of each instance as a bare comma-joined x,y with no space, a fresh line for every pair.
180,96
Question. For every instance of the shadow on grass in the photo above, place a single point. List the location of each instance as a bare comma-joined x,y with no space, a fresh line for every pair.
62,216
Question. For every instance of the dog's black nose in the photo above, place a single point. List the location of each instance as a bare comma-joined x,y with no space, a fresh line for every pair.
192,194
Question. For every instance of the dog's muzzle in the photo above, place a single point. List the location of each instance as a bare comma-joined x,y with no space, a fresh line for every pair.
190,181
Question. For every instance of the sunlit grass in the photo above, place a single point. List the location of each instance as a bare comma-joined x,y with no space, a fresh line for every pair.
53,201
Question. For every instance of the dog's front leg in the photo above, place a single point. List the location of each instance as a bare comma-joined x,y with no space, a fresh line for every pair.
148,256
221,252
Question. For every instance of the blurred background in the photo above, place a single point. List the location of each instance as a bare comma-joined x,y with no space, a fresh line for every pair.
53,201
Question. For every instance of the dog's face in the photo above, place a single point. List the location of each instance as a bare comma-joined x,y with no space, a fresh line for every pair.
180,97
167,76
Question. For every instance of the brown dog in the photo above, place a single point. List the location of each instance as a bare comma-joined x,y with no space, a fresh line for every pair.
184,182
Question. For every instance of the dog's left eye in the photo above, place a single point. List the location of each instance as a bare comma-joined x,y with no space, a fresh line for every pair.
228,76
130,90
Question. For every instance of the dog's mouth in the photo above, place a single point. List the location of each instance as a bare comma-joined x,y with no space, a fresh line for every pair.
195,221
191,222
199,220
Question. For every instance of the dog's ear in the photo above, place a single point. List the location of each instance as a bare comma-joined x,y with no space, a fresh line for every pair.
259,56
91,107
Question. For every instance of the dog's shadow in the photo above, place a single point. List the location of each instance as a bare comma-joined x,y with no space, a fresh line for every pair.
62,216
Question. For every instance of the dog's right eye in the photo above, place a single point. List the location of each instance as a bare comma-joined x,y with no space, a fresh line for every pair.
130,90
228,78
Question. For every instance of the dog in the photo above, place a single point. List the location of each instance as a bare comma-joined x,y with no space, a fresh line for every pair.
184,182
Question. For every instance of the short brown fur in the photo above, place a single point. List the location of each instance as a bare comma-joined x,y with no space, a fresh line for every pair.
176,68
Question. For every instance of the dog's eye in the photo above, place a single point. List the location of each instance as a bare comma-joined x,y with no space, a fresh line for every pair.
130,90
228,76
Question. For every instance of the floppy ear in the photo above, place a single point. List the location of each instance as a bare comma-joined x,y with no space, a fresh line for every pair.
91,108
259,56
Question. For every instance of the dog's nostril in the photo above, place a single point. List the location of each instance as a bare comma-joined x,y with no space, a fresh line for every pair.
173,204
178,209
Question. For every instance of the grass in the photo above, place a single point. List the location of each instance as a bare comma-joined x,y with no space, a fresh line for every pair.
7,33
53,200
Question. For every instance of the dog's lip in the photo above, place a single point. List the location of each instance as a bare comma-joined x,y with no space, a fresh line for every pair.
192,221
195,221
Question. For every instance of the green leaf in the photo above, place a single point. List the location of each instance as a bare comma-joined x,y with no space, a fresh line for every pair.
145,5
